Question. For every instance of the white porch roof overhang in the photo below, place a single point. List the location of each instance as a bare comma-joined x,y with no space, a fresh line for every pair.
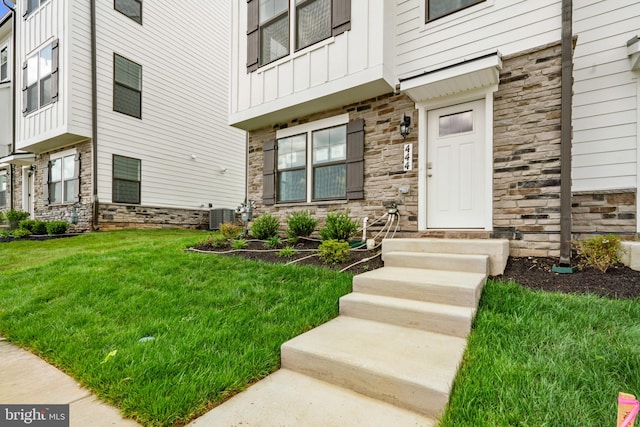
465,76
20,159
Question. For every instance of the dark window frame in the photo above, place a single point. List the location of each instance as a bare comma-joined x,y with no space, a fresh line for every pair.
116,83
286,14
305,3
114,179
427,19
27,11
129,16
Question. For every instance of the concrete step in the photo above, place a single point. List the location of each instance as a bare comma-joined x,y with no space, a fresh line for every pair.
406,367
436,286
289,399
496,249
433,261
441,318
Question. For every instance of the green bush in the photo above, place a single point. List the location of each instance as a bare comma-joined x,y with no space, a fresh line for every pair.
338,227
600,252
239,244
57,227
300,224
35,226
2,218
333,251
273,242
265,226
217,240
20,232
14,217
231,231
287,252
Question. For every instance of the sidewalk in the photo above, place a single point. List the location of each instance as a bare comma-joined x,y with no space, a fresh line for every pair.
27,379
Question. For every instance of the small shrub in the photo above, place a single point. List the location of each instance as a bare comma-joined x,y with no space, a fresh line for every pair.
4,234
57,227
265,226
14,217
273,242
231,231
300,224
218,240
20,232
239,244
333,251
2,218
338,227
35,226
287,252
600,252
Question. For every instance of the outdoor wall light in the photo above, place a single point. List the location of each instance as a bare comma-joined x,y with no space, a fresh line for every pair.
405,126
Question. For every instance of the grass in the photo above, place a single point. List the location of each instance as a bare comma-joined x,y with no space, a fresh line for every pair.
84,303
542,359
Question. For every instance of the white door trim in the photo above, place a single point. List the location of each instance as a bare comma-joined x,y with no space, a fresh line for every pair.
423,108
28,190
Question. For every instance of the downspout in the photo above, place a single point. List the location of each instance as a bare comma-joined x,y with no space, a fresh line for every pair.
566,132
13,97
94,120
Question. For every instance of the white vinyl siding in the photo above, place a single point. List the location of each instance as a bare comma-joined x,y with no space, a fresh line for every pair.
605,103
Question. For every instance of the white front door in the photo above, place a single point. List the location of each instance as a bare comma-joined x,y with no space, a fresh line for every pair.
456,166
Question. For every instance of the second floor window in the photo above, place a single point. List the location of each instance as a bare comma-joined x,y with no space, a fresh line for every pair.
274,30
4,64
439,8
130,8
40,78
31,6
313,21
127,87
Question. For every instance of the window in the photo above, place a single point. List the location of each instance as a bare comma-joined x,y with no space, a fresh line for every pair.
269,28
127,87
4,64
40,78
315,162
439,8
3,190
130,8
313,22
31,6
62,172
126,180
452,124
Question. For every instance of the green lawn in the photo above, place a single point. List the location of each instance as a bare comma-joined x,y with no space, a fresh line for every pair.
84,303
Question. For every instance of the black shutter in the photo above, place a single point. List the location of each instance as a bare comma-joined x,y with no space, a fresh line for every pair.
355,159
76,179
55,49
25,92
45,179
269,172
341,16
253,41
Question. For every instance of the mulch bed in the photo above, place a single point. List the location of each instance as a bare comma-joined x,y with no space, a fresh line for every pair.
618,282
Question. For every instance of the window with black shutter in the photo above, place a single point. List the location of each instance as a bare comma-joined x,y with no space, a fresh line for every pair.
62,175
40,75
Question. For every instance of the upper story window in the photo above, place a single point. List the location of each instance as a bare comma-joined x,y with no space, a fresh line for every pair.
130,8
4,64
127,86
126,180
40,78
269,28
439,8
31,6
62,175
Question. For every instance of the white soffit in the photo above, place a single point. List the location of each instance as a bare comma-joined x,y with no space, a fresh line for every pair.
633,50
462,77
21,159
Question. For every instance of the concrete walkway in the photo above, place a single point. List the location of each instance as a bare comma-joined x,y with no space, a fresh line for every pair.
27,379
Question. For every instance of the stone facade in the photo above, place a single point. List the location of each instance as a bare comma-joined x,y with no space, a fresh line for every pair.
604,213
118,216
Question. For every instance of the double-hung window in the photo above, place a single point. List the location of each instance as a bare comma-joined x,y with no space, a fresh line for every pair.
31,6
130,8
3,190
127,86
313,22
274,30
318,161
4,64
40,78
63,184
439,8
126,180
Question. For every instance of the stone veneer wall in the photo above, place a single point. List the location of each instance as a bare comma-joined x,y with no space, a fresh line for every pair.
526,195
383,173
119,216
604,213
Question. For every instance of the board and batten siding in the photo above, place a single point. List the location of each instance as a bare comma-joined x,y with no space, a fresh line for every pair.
182,140
356,57
605,103
508,26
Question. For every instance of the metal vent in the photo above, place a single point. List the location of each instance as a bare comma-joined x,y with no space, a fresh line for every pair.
220,216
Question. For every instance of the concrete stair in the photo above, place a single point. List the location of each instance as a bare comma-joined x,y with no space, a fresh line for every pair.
394,349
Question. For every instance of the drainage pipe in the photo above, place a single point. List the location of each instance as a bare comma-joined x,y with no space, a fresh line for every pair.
94,120
566,132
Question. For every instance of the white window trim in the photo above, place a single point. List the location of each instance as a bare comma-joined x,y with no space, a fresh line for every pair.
449,20
307,129
36,51
66,153
9,67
